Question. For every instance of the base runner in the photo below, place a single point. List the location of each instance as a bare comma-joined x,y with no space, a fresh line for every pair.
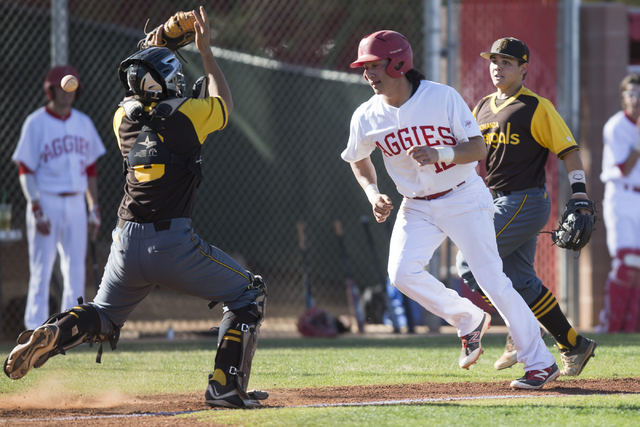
430,144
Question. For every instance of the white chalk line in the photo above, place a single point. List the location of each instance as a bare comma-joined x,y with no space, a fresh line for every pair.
317,405
98,417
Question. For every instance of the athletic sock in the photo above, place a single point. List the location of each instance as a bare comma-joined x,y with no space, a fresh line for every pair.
548,312
485,298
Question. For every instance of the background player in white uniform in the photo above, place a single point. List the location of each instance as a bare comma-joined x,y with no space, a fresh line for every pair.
56,156
621,175
430,144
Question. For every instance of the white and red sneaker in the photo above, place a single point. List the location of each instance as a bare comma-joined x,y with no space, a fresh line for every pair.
536,379
471,345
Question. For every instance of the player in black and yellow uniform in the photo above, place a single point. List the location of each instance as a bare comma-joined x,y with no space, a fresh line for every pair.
520,128
160,132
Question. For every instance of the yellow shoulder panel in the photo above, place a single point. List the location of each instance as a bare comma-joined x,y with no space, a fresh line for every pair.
548,127
207,115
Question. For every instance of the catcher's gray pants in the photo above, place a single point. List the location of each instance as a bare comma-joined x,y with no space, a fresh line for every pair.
518,220
175,258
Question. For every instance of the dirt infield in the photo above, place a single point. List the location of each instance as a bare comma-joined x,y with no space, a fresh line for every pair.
122,410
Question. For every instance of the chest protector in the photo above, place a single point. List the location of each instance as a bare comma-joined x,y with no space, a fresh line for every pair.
149,154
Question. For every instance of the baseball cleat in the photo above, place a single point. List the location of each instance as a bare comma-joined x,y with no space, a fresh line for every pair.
471,345
258,394
33,349
229,396
536,379
510,356
575,360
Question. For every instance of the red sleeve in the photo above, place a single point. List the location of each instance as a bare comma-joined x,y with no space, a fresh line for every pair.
92,170
24,169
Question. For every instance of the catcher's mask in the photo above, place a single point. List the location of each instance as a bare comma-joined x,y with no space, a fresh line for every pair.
386,44
152,74
54,77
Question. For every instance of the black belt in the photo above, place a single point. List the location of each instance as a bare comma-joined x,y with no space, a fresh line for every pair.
159,226
496,193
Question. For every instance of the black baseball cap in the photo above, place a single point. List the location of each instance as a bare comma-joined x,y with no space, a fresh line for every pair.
508,46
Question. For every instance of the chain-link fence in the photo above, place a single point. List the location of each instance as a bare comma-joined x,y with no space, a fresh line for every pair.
277,163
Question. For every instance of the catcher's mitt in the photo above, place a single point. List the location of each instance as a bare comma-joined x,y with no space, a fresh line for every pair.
177,32
575,228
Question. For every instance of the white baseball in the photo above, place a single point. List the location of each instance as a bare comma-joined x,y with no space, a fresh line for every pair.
69,83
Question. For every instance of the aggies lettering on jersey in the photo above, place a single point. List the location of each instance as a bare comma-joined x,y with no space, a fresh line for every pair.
518,148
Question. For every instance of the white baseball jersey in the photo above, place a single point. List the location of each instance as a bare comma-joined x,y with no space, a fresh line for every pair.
59,151
620,135
621,204
436,115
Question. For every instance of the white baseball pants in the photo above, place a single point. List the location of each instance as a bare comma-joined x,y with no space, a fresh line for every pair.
466,216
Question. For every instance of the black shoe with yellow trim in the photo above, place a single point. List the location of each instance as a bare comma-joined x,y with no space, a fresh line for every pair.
223,391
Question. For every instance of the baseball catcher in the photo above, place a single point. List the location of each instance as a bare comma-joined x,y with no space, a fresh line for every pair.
160,132
575,228
177,32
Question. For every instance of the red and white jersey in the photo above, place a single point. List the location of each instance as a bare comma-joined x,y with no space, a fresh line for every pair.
620,135
58,150
436,116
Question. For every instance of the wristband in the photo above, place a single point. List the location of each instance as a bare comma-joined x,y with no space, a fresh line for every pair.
372,191
637,146
445,154
578,182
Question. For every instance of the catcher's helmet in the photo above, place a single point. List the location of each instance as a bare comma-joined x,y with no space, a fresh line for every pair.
386,44
54,77
152,74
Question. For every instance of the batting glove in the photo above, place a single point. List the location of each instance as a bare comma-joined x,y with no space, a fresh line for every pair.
94,222
42,221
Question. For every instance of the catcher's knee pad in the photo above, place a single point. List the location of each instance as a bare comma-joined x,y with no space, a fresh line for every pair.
81,324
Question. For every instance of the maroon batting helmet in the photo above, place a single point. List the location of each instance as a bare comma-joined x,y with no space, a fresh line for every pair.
54,77
386,44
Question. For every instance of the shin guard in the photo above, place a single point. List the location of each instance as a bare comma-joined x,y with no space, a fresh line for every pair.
79,325
237,343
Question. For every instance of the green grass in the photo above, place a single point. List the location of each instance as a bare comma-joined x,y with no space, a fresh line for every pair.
603,411
181,366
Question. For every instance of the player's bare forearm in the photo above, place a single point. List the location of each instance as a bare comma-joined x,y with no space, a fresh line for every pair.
365,173
216,82
630,163
573,162
92,192
467,152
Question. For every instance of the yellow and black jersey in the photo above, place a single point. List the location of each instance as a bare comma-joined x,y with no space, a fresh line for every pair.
160,182
519,135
